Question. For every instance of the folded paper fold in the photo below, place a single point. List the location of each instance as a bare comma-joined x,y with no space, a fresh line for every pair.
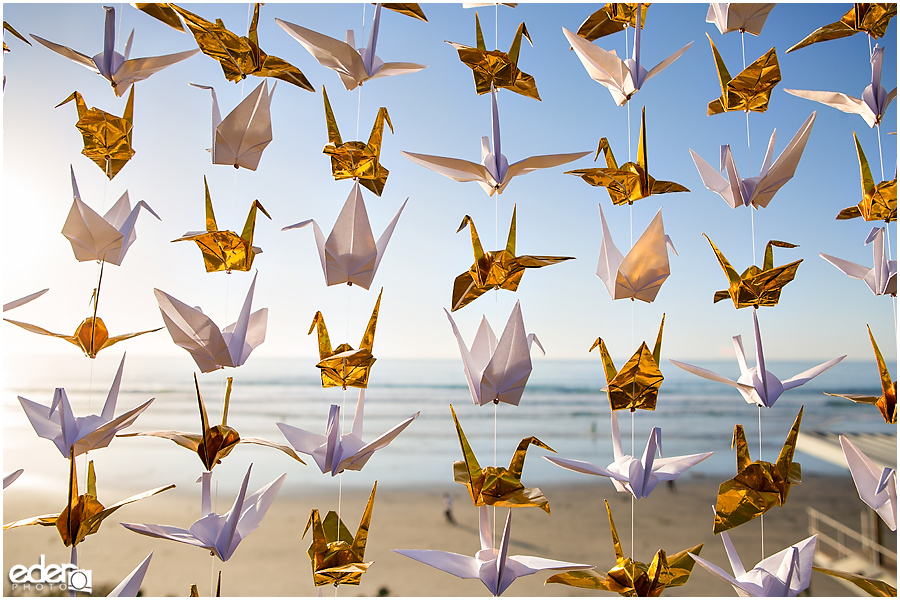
343,366
738,16
887,403
750,89
636,384
756,286
872,19
107,138
882,277
876,487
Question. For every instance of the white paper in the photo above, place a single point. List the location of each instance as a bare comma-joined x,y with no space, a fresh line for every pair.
877,488
738,16
131,585
882,277
9,479
24,300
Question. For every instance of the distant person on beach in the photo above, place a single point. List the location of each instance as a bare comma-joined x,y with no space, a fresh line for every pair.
448,509
671,485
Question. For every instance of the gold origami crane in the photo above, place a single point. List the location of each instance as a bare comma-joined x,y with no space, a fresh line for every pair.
9,28
632,578
750,89
497,486
630,182
161,11
239,55
500,269
497,68
83,514
862,18
887,403
224,250
756,287
870,585
344,366
356,159
195,593
879,202
214,443
337,557
410,9
637,384
107,138
758,485
612,18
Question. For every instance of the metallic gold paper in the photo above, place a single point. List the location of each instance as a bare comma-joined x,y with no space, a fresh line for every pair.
9,28
500,69
338,557
879,202
612,18
107,138
758,485
343,366
887,403
862,18
162,12
870,585
409,9
632,578
630,182
756,287
224,250
498,486
356,159
750,89
500,269
637,384
91,335
195,593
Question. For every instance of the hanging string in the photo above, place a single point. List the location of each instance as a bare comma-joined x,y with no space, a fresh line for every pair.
762,527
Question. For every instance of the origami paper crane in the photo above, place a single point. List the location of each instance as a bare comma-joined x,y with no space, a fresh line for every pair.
214,443
637,384
872,19
9,479
224,250
498,371
878,489
343,366
220,534
131,585
410,9
210,347
354,65
24,300
107,138
240,139
784,574
498,486
636,477
641,273
238,56
879,202
632,578
612,18
495,68
755,191
351,254
337,556
195,593
750,89
494,172
758,485
355,159
738,16
494,567
630,182
59,424
756,287
121,71
873,104
500,269
336,453
762,391
105,238
163,12
882,277
873,587
887,403
623,78
11,29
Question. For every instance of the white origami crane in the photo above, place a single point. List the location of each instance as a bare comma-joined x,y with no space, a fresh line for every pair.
641,273
882,277
498,371
239,139
9,479
211,348
59,424
623,78
762,391
785,574
25,300
628,474
335,452
351,254
738,16
131,585
494,173
877,489
118,69
873,104
495,568
354,66
105,238
220,534
757,191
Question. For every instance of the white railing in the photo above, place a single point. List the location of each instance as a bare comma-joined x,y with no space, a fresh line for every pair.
836,535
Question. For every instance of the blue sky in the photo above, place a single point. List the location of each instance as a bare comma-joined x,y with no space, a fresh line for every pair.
822,314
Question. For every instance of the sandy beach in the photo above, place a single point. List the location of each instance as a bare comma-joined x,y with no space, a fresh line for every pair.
272,561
